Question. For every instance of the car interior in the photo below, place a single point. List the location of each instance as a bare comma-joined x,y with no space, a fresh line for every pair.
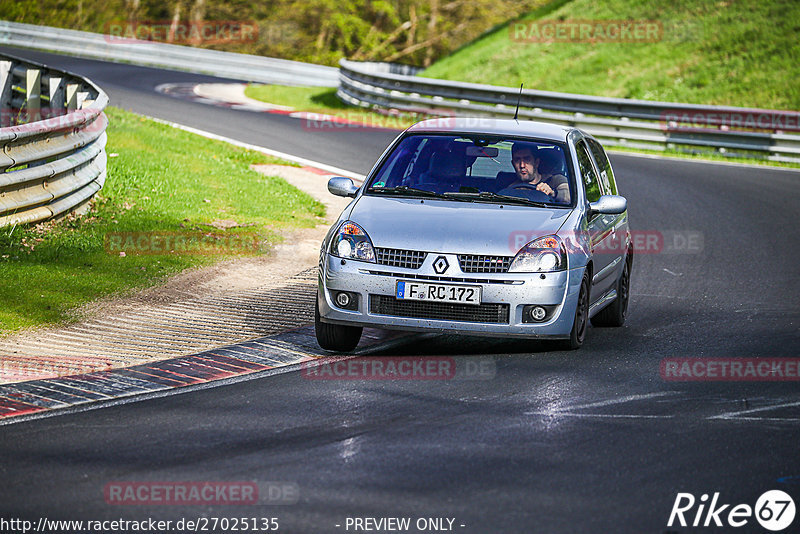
447,164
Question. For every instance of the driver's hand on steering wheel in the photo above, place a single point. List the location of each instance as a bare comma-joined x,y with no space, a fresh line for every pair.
546,189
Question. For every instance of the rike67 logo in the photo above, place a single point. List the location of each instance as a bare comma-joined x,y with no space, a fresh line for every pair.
774,511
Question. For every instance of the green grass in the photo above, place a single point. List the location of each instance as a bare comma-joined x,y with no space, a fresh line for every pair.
304,98
731,52
161,180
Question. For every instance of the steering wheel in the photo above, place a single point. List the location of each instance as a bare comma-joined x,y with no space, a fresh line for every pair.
537,195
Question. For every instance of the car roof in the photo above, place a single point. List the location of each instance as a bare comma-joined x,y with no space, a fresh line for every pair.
491,126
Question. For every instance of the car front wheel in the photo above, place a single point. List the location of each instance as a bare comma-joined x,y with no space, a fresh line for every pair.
335,337
581,322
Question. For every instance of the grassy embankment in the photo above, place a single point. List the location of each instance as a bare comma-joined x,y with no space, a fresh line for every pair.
733,53
161,182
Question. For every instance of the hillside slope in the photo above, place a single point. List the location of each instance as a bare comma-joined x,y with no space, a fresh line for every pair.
734,52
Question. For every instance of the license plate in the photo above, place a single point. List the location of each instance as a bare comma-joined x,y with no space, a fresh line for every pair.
438,292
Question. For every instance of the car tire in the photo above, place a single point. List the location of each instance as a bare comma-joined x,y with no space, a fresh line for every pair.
581,321
615,313
335,337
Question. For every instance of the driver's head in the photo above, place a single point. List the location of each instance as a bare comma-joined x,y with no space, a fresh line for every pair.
524,162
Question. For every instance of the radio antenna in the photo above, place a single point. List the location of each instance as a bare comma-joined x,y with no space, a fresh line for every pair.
516,111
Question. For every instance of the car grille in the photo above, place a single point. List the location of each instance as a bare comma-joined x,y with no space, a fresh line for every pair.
483,313
459,279
472,263
406,259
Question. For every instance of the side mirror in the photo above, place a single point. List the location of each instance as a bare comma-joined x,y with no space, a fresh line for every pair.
342,187
608,205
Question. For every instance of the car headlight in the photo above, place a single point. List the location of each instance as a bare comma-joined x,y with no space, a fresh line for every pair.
352,242
542,255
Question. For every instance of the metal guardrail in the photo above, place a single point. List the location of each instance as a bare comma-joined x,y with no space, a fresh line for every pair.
617,121
200,60
52,133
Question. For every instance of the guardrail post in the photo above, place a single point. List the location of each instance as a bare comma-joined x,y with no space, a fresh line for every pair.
82,96
33,94
57,94
71,99
6,115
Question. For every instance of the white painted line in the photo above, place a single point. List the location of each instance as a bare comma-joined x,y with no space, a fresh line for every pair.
601,415
735,415
660,296
290,157
619,400
569,411
766,419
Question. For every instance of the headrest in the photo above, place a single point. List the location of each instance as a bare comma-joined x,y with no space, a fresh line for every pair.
551,161
447,164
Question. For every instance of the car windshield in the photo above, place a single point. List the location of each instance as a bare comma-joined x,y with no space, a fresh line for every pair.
479,169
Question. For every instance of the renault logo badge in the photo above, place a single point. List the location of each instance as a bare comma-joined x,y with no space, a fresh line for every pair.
440,265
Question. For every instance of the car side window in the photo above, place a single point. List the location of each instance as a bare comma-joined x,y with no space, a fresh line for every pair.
606,173
588,173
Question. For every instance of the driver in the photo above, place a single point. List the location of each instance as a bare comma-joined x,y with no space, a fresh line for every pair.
535,174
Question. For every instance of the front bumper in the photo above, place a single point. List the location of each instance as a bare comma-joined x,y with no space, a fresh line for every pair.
513,289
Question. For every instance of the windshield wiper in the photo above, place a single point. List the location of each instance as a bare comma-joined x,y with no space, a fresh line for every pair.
488,195
404,190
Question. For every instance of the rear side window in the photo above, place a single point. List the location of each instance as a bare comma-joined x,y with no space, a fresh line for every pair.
588,174
606,173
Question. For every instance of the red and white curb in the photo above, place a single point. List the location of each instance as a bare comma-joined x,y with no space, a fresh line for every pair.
37,397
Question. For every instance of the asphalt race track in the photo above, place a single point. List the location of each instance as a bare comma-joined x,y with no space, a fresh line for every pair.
542,441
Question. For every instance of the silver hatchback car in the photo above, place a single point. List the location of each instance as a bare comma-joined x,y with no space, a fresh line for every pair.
478,226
